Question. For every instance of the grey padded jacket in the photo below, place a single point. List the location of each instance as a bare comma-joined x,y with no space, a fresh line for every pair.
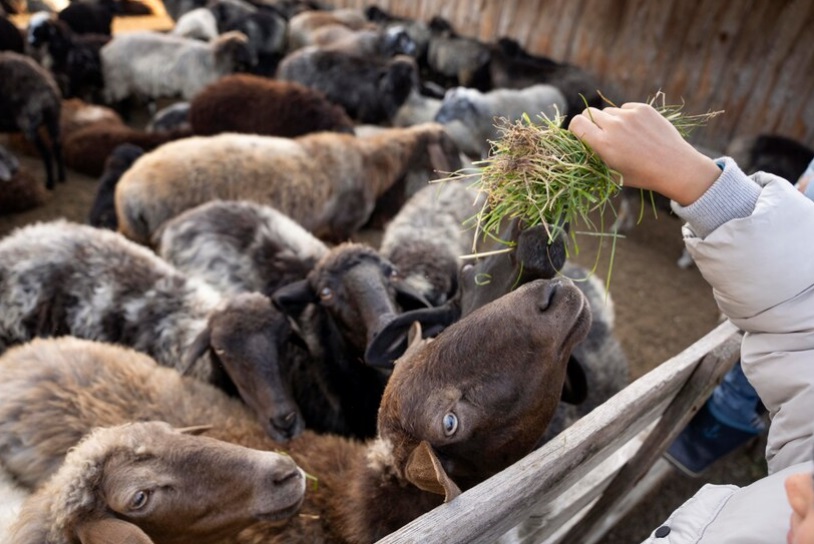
749,237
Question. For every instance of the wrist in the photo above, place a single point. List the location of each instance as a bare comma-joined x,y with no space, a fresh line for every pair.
696,177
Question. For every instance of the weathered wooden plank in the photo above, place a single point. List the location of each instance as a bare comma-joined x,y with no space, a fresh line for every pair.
545,473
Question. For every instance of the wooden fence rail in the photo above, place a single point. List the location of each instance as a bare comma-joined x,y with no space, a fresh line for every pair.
568,489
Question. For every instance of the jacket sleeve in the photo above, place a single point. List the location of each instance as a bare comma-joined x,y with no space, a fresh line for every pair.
760,264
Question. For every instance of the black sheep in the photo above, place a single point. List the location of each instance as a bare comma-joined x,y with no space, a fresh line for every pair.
29,98
11,39
103,212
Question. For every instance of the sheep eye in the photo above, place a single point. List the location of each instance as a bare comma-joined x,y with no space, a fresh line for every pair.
394,274
139,500
450,424
326,293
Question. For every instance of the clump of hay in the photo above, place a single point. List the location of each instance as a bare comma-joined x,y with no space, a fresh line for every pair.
541,173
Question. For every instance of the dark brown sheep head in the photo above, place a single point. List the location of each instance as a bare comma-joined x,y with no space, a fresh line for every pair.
141,483
469,403
247,338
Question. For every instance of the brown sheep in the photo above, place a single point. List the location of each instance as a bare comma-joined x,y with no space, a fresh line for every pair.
139,483
88,149
327,182
456,411
19,191
258,105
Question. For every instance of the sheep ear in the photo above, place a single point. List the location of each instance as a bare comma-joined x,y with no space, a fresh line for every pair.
394,339
196,350
575,388
108,530
292,298
424,471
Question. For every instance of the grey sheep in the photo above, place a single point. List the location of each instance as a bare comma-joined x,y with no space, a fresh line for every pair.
327,182
29,99
370,88
428,237
155,65
239,246
481,112
63,278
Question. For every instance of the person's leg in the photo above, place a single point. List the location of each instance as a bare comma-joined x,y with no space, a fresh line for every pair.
728,420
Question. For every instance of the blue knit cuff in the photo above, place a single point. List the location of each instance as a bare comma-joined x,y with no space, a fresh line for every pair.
732,196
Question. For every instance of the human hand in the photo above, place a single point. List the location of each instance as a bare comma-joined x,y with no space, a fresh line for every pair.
646,150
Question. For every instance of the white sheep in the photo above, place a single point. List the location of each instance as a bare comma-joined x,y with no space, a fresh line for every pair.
327,182
198,24
481,111
62,278
448,420
155,65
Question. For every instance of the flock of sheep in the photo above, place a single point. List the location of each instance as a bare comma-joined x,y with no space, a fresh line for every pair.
214,356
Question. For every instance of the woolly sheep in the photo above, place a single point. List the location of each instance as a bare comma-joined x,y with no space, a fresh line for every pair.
73,58
253,104
198,24
511,67
302,25
238,246
155,65
19,191
61,278
419,108
103,210
449,418
370,88
29,98
418,31
327,182
428,237
172,117
453,59
139,482
88,149
478,111
266,31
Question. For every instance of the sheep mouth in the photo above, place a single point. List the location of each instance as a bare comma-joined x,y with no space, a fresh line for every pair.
283,513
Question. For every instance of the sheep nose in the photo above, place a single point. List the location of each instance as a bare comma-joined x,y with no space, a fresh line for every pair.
288,473
547,295
285,423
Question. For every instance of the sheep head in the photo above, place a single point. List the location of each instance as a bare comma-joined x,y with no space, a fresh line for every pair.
478,397
140,483
359,290
460,103
247,338
233,52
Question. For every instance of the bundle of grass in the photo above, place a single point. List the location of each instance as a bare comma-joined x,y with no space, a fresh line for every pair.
541,173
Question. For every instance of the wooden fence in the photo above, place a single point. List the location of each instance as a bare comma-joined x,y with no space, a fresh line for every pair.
751,58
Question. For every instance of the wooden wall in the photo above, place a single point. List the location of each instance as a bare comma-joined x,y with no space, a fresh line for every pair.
754,59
